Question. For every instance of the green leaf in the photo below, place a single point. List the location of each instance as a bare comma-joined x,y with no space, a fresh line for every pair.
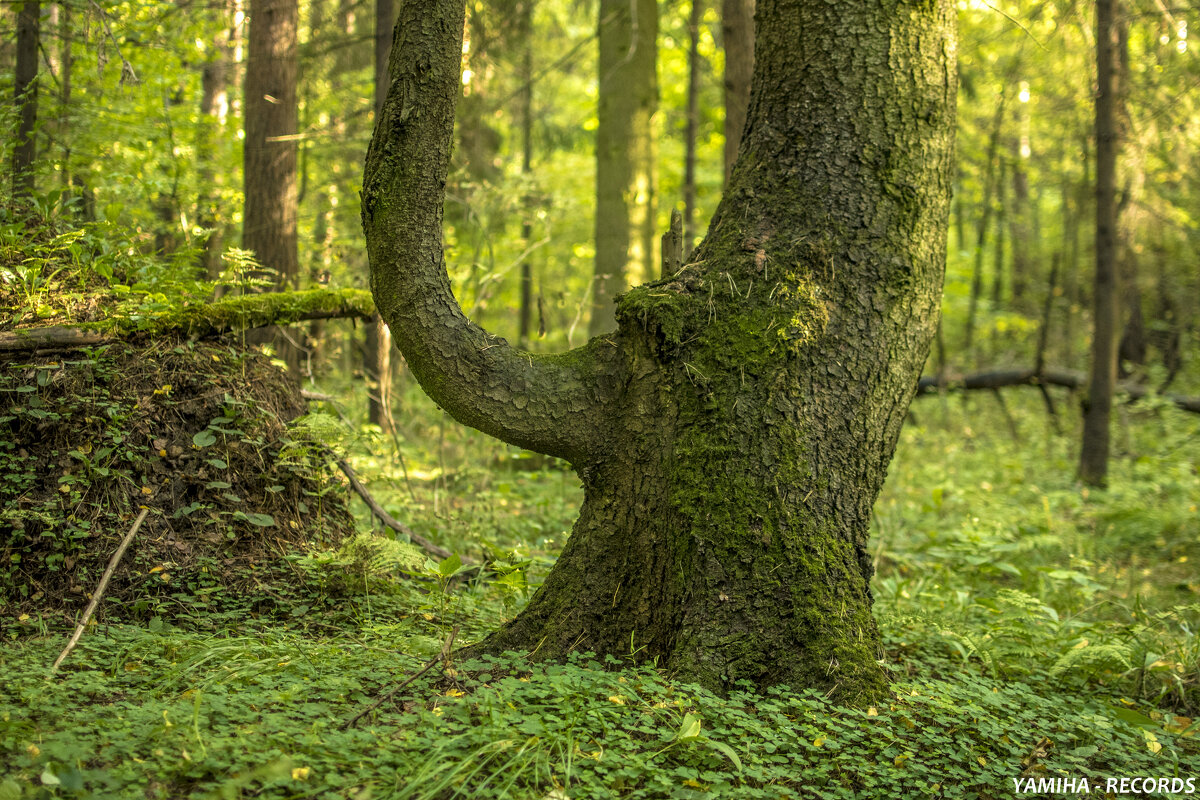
1134,718
449,566
689,729
726,751
216,462
204,438
260,520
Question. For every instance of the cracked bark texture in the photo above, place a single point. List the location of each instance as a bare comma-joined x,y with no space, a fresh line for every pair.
734,431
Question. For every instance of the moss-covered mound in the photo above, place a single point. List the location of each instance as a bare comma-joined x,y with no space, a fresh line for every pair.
197,433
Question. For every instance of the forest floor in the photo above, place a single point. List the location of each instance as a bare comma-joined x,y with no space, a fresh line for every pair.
1034,630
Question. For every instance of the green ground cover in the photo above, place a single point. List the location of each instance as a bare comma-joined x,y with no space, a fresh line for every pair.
1033,630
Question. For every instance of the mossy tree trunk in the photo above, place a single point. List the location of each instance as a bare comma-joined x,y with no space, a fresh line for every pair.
734,431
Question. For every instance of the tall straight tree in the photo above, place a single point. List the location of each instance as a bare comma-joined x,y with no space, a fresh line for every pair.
378,355
25,95
1093,455
737,34
269,160
625,152
693,127
734,431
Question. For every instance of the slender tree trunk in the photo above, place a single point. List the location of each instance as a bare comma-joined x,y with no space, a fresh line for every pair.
1020,226
693,126
998,259
981,226
214,110
25,95
737,36
525,316
625,201
733,433
1093,457
378,350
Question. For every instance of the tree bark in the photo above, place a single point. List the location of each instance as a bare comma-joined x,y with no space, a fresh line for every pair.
378,349
981,227
25,95
690,132
214,109
269,154
737,35
525,311
1093,455
625,153
1020,215
733,433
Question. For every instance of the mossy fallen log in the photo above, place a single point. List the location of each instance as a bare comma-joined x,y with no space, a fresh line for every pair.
229,315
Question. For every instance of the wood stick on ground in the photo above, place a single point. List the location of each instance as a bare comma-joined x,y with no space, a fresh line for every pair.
392,522
441,656
99,593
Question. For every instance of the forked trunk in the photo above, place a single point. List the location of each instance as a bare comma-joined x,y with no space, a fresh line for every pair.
733,433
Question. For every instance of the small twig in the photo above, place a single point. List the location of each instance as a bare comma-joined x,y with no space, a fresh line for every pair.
392,522
441,656
99,593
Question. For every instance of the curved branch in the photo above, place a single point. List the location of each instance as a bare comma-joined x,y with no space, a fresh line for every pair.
545,403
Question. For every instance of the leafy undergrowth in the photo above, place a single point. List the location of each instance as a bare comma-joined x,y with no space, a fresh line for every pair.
197,433
1034,631
56,269
264,713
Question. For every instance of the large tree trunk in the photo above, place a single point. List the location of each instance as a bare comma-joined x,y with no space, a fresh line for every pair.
625,175
733,433
1093,456
25,95
737,37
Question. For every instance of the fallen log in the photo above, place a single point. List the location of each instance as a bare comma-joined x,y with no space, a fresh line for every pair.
1015,376
200,321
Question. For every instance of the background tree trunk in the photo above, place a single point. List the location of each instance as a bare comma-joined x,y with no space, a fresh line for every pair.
525,311
737,35
214,109
378,345
269,161
693,125
25,95
625,153
1093,456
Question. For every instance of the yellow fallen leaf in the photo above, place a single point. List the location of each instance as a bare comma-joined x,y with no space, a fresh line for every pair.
872,712
1152,743
982,761
817,742
616,698
900,759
